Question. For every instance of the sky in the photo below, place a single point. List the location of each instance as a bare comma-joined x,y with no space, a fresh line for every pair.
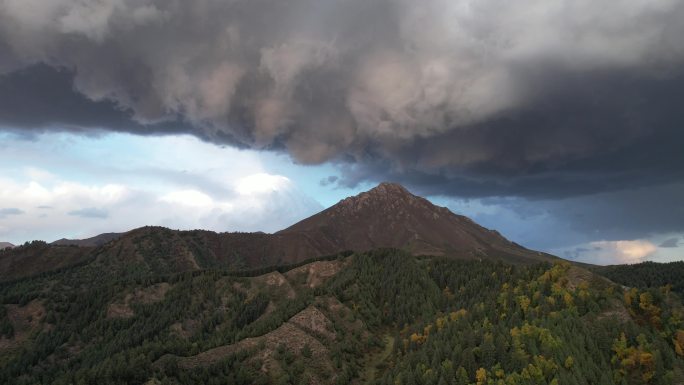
557,123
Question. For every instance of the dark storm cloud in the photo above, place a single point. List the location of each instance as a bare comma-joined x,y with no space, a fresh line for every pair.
670,243
329,180
606,133
90,212
546,224
41,98
534,99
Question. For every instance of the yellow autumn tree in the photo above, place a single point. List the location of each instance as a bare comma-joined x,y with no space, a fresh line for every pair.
567,298
569,362
481,376
524,303
630,296
455,315
679,342
417,338
633,361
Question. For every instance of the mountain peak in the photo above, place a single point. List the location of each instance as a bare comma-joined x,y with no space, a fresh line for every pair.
390,188
386,200
389,215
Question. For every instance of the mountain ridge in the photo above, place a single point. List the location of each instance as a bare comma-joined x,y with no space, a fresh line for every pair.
97,240
387,216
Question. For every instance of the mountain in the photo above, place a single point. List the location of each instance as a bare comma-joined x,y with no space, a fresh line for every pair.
97,240
390,216
39,257
386,216
425,297
5,245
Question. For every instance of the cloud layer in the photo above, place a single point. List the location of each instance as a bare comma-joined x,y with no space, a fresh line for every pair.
68,186
476,97
65,209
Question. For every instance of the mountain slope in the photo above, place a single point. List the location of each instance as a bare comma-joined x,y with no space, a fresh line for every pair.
383,317
5,245
161,250
390,216
39,257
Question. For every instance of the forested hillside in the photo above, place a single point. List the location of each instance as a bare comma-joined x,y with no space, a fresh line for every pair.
647,274
383,317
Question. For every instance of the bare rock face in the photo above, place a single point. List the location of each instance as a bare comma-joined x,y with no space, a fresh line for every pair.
313,320
316,273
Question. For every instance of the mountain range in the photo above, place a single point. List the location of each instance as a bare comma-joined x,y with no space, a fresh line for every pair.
383,288
387,216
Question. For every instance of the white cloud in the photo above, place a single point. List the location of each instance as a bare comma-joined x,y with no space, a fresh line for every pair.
69,195
190,198
631,251
261,202
612,252
262,183
89,186
40,175
258,202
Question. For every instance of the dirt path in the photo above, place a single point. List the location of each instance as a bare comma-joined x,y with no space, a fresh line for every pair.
375,359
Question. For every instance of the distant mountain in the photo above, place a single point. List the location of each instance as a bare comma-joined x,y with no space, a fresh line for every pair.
95,241
388,216
4,245
39,257
646,274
